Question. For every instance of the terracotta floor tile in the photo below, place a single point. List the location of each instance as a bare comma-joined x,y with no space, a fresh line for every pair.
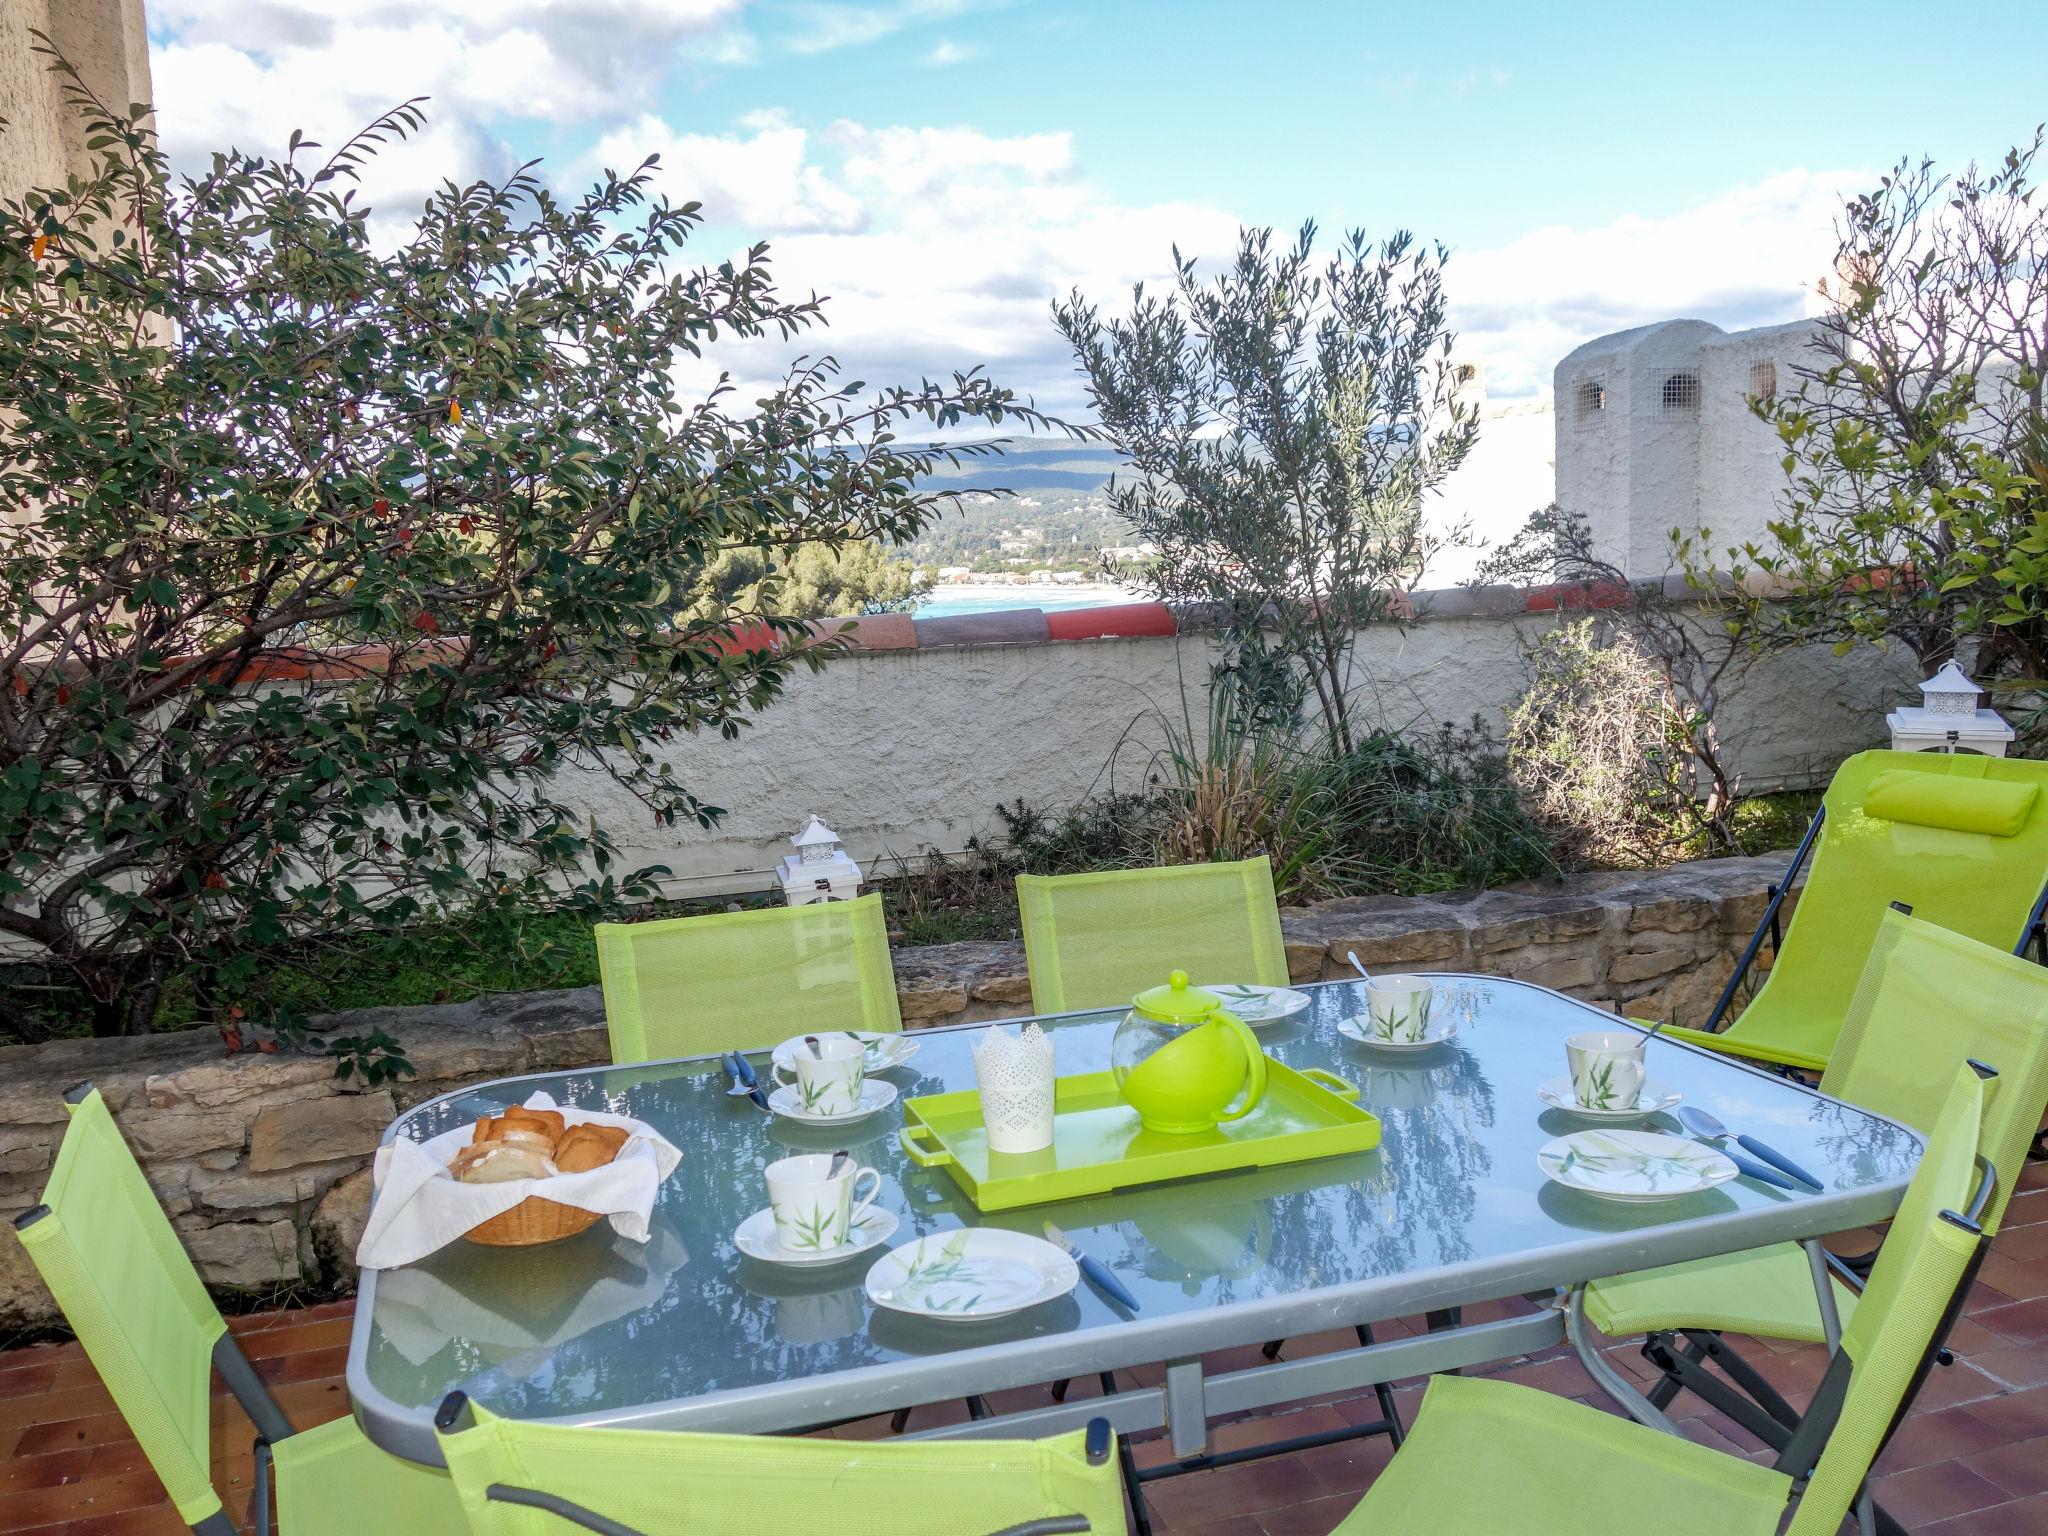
1927,1494
1943,1435
2014,1367
2020,1468
2025,1517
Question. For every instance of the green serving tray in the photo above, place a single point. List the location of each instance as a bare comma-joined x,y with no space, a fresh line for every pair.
1098,1144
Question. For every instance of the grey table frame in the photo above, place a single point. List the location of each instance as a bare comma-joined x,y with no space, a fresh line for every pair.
1189,1398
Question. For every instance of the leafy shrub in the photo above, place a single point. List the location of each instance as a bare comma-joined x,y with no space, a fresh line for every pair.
460,479
1393,814
1599,749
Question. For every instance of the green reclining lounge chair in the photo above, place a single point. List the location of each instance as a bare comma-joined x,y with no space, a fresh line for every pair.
1488,1458
1962,840
1929,999
741,981
1098,940
130,1293
520,1479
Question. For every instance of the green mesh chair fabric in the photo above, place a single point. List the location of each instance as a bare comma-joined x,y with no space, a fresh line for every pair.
1767,1291
666,1484
1489,1458
331,1481
1097,940
1930,999
1925,1258
1553,1467
130,1293
738,981
1971,882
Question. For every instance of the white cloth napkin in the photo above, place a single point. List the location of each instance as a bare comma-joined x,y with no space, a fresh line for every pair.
420,1206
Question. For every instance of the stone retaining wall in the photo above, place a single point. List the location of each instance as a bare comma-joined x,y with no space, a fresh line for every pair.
262,1160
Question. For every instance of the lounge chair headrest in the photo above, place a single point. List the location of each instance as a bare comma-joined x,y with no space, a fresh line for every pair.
1994,807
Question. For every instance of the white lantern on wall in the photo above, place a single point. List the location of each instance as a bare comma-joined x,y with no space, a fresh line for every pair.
820,869
1948,719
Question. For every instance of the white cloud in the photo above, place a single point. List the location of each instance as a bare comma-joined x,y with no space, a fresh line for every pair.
244,73
1749,256
823,28
948,53
943,247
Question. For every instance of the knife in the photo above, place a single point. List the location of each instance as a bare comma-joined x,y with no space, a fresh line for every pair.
743,1077
1097,1272
1776,1159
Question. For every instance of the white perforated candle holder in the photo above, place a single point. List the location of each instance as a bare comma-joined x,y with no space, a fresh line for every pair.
1015,1076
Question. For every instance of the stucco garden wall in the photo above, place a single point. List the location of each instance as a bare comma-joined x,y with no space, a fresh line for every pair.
910,742
262,1161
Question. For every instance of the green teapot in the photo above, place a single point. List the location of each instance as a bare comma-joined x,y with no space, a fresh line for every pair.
1180,1060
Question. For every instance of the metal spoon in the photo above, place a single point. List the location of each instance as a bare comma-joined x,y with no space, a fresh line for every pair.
812,1042
1749,1167
1702,1126
839,1161
1352,956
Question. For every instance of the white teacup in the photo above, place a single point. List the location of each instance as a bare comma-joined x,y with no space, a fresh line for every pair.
828,1081
813,1210
1607,1068
1397,1008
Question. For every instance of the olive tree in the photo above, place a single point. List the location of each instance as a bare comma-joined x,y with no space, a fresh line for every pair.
320,561
1284,421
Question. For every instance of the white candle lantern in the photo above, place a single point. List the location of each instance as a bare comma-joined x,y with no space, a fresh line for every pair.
820,869
1948,719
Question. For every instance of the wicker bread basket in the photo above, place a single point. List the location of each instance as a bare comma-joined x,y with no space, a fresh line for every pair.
533,1220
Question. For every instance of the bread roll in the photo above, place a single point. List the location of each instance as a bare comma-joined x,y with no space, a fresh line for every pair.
584,1147
548,1122
494,1162
523,1136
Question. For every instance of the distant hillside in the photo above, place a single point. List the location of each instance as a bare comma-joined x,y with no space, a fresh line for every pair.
1036,464
1058,517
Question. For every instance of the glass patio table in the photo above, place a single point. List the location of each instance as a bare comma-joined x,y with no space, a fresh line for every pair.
685,1333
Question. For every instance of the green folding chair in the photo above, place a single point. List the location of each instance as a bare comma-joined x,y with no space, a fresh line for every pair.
1097,940
130,1293
1929,999
1963,840
740,981
1487,1457
538,1479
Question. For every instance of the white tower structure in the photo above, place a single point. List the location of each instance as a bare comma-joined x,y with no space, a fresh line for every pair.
1655,433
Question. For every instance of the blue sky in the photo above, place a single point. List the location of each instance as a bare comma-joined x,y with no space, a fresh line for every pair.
941,168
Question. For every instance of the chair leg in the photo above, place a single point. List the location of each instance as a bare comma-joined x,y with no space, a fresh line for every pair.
1384,1393
1134,1490
1746,1376
1655,1350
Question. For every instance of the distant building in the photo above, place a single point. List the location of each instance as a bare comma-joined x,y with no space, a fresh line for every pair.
1655,432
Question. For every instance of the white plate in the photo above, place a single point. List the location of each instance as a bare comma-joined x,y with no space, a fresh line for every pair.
1558,1094
875,1096
1358,1027
755,1237
971,1275
1633,1165
1259,1005
883,1050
